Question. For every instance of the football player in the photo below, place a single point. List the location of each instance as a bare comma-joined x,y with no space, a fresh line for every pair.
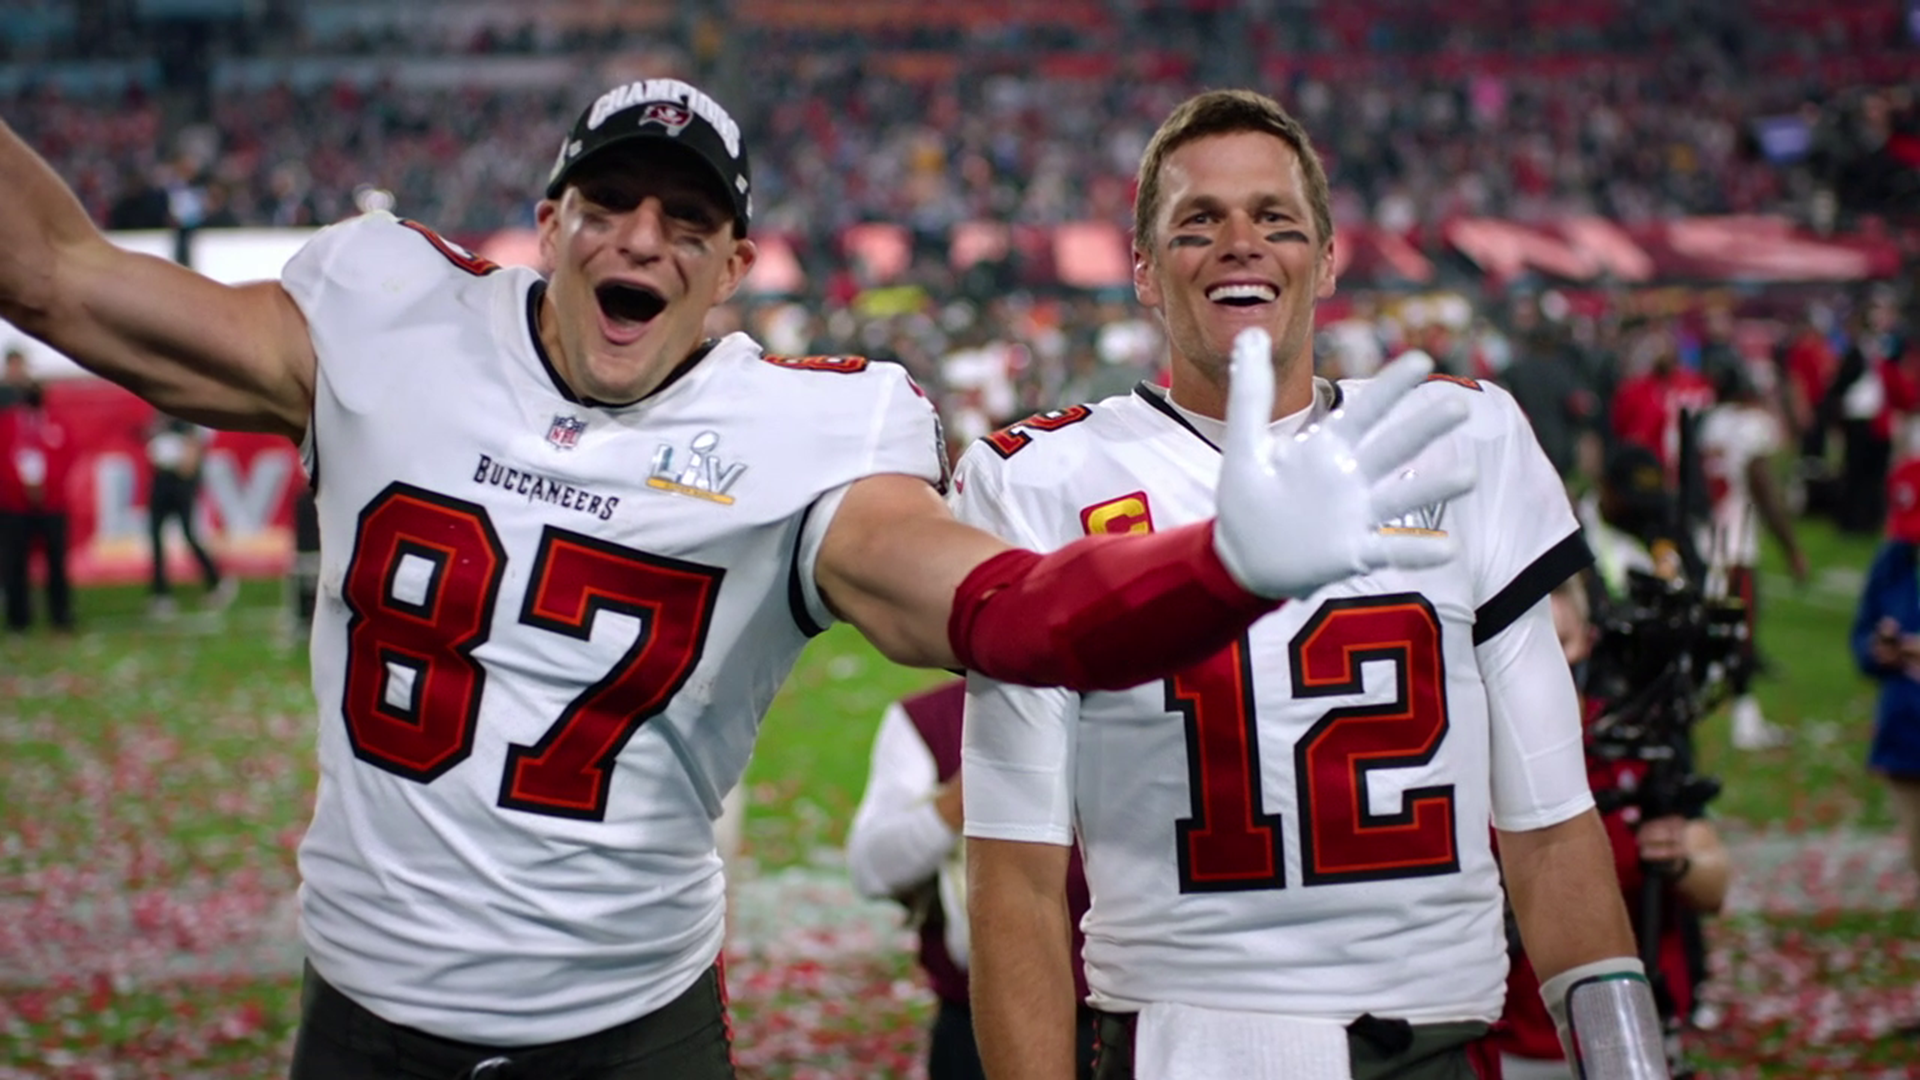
1739,437
1288,843
569,550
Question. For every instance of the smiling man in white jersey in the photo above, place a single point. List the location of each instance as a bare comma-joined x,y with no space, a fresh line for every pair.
1288,843
570,549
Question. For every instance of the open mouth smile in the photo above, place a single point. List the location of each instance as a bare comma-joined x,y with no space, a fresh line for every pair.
627,308
1243,294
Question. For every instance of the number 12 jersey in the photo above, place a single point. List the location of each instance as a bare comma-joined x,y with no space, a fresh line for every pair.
1300,824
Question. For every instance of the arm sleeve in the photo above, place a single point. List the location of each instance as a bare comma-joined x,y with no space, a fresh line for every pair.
1096,612
1017,755
897,839
903,437
330,279
324,268
1526,540
813,533
1017,746
979,498
1539,761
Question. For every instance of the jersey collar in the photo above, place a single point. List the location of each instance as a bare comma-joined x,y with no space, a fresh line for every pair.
1327,396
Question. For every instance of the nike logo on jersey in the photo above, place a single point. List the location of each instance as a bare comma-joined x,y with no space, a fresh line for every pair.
698,471
544,489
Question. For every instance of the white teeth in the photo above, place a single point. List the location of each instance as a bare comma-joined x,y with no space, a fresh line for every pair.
1241,292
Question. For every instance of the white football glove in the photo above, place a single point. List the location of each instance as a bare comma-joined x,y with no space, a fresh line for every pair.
1297,514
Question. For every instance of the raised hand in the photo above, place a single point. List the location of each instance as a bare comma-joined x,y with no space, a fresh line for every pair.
1297,514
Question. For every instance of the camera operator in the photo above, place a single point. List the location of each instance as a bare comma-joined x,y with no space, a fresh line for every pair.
1670,861
1628,522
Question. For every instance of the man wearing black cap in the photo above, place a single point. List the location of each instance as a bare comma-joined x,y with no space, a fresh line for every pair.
570,549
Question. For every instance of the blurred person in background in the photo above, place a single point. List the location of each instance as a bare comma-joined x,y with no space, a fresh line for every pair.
1808,365
176,450
15,377
1628,521
1290,875
511,864
289,202
1739,439
1647,407
1354,348
141,202
1886,646
905,845
35,458
1717,348
14,380
1870,389
1543,375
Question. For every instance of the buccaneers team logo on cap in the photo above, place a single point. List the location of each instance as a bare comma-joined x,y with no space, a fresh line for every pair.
667,115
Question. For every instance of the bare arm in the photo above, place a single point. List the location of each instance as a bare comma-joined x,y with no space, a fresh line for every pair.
232,357
1022,964
1565,894
890,564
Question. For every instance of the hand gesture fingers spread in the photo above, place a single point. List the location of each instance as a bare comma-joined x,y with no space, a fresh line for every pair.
1295,515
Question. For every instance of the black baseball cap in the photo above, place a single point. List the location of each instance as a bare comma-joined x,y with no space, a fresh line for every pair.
665,110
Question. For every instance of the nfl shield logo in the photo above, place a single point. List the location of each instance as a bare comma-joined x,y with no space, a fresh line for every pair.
565,432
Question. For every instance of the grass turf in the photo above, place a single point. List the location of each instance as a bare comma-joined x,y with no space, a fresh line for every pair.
154,777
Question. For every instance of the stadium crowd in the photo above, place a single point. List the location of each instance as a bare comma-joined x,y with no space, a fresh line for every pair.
1526,112
1669,109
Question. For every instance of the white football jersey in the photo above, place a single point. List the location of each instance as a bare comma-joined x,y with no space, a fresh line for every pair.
547,633
1732,437
1300,825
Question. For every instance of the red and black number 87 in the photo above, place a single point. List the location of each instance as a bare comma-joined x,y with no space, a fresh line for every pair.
421,589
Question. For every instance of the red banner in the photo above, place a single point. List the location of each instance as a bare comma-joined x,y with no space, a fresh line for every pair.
1755,248
247,490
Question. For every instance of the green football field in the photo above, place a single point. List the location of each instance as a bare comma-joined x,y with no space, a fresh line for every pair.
156,777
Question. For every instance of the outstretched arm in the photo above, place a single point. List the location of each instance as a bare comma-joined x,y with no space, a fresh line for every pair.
1111,612
1106,612
233,357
